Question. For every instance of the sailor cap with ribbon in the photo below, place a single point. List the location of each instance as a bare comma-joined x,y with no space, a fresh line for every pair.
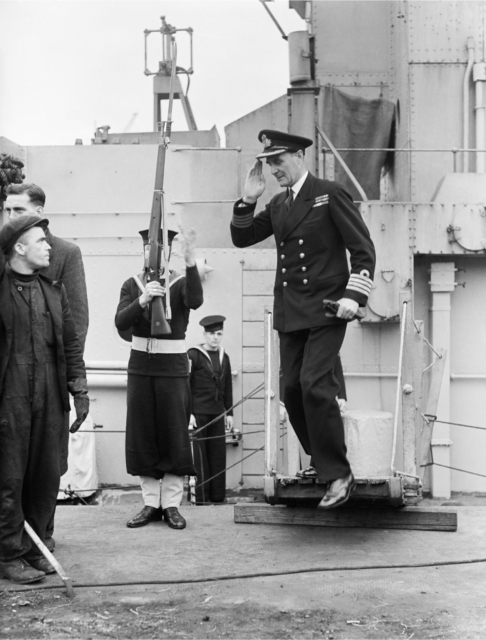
275,142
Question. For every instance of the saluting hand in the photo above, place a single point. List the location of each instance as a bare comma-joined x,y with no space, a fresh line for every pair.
255,182
188,246
152,290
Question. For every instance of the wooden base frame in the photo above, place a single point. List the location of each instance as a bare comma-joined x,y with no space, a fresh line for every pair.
382,517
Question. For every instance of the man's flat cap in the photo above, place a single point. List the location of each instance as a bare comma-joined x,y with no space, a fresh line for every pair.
212,323
275,142
11,231
171,234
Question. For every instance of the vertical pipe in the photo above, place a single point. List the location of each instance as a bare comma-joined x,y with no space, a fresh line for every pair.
465,102
442,285
479,77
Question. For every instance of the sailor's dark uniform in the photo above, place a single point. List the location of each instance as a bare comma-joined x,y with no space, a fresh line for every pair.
212,395
158,393
312,238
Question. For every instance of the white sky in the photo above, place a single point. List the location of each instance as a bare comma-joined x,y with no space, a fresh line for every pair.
67,66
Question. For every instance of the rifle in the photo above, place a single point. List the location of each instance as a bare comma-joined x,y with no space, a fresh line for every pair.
159,318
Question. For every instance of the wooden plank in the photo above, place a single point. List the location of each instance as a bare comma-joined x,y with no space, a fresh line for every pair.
420,518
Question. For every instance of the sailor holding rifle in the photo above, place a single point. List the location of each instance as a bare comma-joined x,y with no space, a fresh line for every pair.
158,448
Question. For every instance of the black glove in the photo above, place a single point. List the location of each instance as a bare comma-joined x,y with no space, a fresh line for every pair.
79,391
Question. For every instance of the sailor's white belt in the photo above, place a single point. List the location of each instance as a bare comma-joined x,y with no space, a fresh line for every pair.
154,345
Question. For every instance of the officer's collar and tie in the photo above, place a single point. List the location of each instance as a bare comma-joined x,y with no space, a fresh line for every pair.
293,191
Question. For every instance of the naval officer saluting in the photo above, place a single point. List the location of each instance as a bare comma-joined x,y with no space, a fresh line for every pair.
314,222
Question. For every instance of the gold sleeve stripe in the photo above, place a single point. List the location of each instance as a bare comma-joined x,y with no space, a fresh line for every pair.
242,221
362,284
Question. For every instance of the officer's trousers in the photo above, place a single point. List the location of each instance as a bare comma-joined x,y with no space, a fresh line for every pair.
210,459
31,422
307,360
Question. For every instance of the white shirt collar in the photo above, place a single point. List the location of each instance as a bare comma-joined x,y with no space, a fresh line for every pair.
298,185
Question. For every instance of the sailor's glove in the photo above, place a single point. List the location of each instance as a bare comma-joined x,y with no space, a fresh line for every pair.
79,391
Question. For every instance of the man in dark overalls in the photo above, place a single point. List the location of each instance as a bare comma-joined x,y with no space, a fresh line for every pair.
40,361
212,401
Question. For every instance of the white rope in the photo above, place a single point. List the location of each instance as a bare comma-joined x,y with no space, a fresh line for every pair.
399,387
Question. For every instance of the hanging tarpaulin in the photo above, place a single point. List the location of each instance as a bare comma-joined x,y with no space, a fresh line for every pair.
353,122
81,478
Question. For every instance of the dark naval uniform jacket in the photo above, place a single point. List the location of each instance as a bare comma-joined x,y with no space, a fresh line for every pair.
312,238
211,393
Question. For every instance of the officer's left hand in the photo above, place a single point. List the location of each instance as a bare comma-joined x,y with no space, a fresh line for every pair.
347,308
229,423
342,404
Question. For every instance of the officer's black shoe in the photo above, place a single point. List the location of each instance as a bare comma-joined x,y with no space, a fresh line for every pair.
20,571
174,518
41,564
148,514
338,492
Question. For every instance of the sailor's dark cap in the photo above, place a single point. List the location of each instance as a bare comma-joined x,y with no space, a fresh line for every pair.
12,230
212,323
171,234
275,142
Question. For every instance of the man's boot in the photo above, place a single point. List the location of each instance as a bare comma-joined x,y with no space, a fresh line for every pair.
20,571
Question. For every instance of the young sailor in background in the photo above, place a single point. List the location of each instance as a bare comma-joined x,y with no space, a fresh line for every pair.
158,449
212,395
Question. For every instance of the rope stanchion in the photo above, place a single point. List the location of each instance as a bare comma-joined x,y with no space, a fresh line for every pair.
399,386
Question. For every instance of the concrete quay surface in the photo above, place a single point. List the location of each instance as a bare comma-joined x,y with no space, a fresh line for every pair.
428,583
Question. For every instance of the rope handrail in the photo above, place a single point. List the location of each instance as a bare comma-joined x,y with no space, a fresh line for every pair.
458,424
237,404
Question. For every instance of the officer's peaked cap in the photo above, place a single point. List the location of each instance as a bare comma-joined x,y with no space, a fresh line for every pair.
11,232
275,142
212,323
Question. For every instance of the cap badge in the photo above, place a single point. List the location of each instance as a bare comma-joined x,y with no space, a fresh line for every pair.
266,141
